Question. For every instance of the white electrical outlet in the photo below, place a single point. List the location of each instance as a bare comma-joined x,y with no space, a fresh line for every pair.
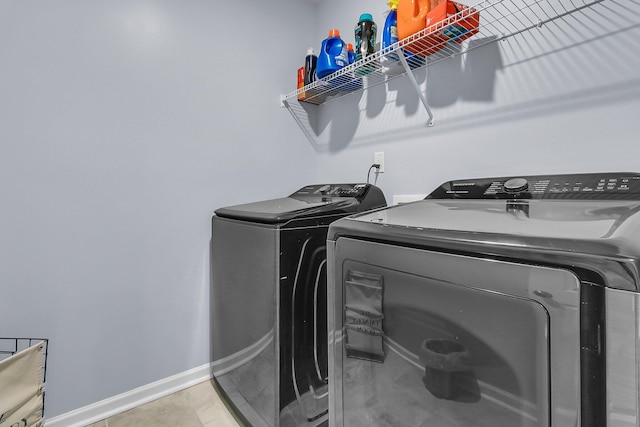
378,159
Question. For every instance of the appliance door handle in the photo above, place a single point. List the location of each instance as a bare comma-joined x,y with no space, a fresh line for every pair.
543,294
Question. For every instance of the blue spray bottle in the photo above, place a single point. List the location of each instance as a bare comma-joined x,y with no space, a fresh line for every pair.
390,30
388,60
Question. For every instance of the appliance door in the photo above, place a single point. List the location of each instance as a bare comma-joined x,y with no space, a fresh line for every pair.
423,338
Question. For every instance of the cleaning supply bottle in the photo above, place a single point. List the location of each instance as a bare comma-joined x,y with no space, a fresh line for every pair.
353,82
389,60
389,37
301,95
412,17
333,55
310,65
365,34
352,53
390,29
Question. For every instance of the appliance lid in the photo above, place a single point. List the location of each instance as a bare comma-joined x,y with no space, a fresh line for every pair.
576,207
309,201
555,227
524,220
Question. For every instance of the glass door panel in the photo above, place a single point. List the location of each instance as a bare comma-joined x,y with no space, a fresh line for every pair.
445,340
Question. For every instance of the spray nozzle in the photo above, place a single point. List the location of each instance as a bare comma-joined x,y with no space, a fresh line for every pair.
393,4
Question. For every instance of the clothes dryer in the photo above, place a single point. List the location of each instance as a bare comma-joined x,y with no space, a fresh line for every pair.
269,321
507,301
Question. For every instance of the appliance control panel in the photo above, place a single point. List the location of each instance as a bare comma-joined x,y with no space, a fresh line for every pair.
617,185
333,190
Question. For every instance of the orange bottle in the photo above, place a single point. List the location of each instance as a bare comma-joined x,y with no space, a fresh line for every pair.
412,16
301,95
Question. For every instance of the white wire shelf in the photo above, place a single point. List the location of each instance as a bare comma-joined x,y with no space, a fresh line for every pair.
498,20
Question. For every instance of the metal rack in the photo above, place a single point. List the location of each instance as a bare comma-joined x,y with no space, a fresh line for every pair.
499,19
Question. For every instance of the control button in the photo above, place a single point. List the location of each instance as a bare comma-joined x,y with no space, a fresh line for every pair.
515,185
324,189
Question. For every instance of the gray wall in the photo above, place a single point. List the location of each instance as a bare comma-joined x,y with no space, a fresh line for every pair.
123,126
562,98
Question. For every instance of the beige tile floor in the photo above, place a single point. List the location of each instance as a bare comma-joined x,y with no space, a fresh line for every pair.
197,406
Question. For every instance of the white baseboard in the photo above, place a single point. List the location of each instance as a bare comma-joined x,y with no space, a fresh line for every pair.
136,397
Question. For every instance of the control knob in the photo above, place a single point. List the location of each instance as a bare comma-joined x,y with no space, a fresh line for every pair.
324,189
515,185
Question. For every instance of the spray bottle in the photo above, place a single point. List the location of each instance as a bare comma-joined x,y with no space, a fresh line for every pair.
390,29
389,60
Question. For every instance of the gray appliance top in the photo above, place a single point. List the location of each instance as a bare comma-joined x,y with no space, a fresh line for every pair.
592,186
309,201
588,220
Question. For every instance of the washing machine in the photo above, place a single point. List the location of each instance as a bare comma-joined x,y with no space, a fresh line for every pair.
496,302
268,302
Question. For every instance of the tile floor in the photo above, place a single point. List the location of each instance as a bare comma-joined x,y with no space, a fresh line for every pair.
197,406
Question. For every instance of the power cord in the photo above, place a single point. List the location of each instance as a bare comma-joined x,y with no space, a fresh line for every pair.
377,166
